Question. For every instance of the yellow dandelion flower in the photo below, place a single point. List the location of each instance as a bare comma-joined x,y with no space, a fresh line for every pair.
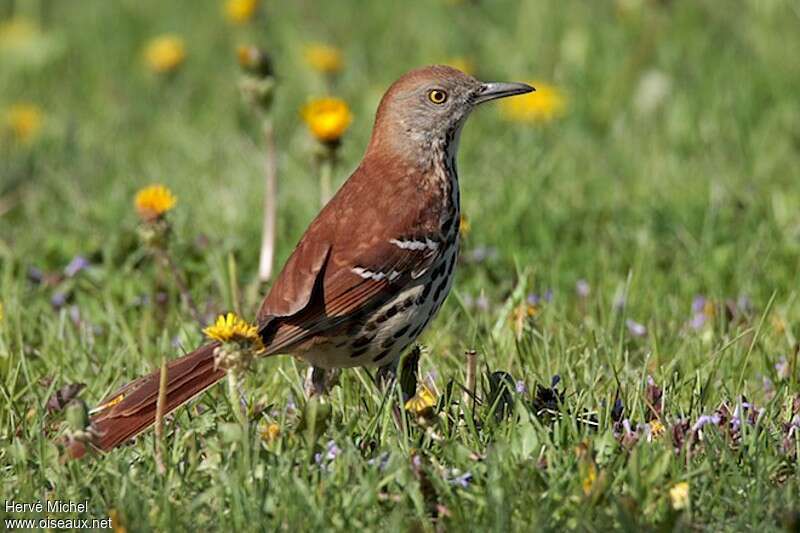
24,121
709,309
543,105
240,11
324,58
153,202
116,521
520,314
231,328
165,53
463,64
327,118
16,33
464,226
778,324
270,433
679,495
657,429
422,403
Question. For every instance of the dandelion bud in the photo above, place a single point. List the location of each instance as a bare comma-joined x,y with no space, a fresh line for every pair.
254,61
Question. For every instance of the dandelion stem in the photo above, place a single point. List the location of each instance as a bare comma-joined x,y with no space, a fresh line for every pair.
270,202
167,260
325,177
159,428
472,368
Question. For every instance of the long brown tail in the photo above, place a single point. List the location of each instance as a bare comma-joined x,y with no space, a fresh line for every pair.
132,409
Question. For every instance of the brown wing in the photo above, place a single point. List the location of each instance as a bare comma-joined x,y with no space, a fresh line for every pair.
350,259
346,292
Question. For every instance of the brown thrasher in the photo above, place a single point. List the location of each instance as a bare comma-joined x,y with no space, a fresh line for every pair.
371,270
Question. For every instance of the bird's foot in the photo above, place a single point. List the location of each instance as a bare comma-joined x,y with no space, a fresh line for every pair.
319,382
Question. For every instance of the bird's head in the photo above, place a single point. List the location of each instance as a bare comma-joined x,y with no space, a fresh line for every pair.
430,104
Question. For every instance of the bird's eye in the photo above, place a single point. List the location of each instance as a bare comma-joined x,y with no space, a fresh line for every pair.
437,96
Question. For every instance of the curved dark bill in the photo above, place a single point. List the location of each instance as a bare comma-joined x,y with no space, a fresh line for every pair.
495,90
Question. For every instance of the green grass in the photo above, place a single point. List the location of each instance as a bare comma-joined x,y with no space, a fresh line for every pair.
698,195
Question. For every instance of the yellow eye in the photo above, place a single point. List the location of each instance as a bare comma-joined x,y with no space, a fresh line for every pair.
437,96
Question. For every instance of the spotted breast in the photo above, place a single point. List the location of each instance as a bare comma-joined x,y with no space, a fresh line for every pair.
381,332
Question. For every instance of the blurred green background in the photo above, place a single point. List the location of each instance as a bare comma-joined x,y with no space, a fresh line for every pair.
672,174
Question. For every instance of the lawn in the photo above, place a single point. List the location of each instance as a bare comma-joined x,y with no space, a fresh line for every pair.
631,262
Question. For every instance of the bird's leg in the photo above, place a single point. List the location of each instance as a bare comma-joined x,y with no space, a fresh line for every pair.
386,375
319,381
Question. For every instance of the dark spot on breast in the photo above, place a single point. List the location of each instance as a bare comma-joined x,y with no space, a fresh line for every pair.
388,342
402,331
362,341
439,270
359,353
381,355
426,290
389,313
417,330
448,224
439,290
451,264
370,326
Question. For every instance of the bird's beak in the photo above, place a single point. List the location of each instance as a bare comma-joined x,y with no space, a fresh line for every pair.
495,90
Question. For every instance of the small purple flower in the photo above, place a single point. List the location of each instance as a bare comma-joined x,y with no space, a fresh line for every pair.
482,303
521,387
461,480
381,461
324,459
782,368
548,295
533,299
582,288
35,275
431,376
705,420
291,405
636,329
479,254
698,321
626,424
332,450
794,425
744,304
77,264
769,387
58,299
75,314
698,303
416,461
